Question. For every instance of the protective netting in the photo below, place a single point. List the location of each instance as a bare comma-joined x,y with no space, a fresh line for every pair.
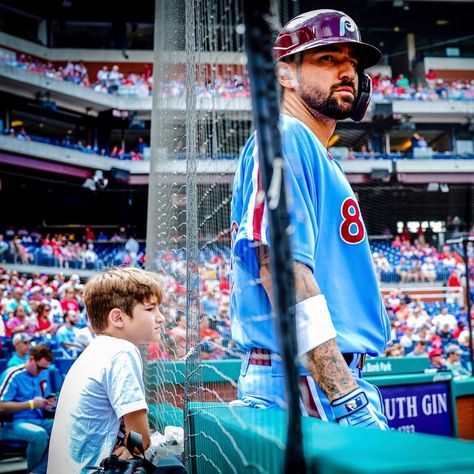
197,133
201,119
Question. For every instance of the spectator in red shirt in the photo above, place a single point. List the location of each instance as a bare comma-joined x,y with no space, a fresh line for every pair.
88,233
43,326
454,279
430,76
69,302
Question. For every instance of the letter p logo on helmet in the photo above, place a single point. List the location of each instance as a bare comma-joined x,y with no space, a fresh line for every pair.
346,24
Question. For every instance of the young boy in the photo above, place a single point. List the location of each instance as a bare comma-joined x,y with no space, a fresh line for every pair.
104,387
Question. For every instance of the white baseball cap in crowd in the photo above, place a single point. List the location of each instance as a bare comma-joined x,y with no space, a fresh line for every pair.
20,337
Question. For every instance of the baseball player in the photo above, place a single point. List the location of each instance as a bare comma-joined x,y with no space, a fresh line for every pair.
340,315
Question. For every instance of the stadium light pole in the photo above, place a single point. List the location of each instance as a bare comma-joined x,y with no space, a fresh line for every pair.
260,19
464,241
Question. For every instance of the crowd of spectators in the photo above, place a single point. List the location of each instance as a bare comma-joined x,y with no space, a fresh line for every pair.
87,252
418,261
438,331
40,308
31,294
137,153
111,80
404,259
37,308
140,84
432,88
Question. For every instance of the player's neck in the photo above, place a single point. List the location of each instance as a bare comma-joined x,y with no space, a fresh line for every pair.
293,106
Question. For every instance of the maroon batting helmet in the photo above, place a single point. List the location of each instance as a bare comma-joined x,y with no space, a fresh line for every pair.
320,28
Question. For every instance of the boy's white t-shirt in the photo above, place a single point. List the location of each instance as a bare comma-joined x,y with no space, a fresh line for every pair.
103,384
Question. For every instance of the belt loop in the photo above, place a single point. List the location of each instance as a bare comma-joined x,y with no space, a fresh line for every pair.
362,359
245,363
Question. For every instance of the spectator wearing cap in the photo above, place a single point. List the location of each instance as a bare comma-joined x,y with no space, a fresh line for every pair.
420,349
436,359
17,299
35,293
453,362
74,279
23,394
21,343
418,318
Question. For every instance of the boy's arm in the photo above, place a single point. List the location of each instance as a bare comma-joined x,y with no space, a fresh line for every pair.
138,421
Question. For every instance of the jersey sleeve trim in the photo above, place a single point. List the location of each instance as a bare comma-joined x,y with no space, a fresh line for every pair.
257,215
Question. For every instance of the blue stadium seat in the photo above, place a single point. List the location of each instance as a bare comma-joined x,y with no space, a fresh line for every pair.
55,379
63,364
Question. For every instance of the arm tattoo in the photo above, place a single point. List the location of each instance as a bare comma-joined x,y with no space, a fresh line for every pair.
325,362
305,283
327,366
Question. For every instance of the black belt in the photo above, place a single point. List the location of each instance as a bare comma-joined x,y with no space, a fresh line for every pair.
264,357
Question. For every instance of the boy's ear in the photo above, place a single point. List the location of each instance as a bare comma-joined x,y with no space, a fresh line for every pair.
116,318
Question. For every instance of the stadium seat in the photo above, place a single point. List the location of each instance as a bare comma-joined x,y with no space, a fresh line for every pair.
55,379
63,364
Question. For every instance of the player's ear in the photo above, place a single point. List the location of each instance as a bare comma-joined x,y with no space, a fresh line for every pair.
285,74
116,317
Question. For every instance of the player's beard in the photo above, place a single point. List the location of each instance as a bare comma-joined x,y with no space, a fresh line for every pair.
320,103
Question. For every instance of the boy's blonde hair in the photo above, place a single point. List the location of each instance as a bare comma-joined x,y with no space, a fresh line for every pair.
121,288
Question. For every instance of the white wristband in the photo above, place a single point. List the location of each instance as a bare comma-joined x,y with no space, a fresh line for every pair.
313,324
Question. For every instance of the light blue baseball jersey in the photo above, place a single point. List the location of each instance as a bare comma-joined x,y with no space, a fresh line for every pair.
327,234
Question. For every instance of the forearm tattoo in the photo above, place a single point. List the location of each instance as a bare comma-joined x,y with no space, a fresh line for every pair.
327,366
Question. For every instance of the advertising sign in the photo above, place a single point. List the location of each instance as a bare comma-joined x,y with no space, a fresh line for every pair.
423,408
